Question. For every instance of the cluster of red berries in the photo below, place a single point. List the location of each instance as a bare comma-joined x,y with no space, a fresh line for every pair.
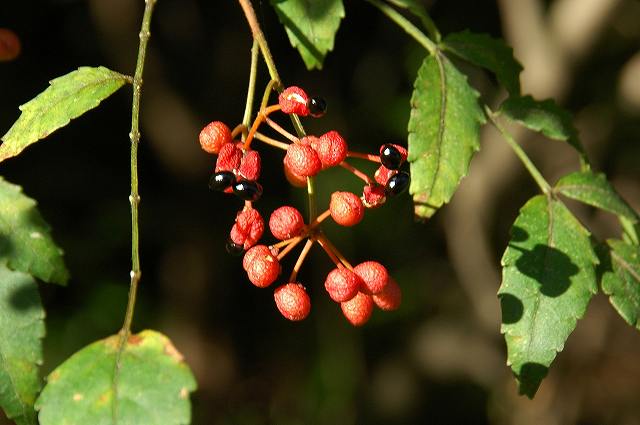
237,170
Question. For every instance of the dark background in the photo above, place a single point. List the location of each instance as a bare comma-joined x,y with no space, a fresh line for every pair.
440,359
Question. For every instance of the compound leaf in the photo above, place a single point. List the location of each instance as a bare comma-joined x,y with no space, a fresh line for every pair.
594,189
25,242
21,332
443,133
488,52
66,98
152,387
311,26
622,280
548,278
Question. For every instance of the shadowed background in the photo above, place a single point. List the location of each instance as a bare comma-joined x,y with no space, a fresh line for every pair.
440,359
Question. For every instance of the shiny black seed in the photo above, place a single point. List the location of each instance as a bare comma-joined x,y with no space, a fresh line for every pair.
234,249
317,106
397,184
221,180
390,156
248,190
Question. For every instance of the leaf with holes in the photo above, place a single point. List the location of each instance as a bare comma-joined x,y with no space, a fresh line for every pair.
25,242
66,98
488,52
152,387
444,131
311,26
621,280
594,189
21,332
548,278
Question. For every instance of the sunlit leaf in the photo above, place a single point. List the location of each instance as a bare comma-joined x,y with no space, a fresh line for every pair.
152,388
548,278
66,98
622,281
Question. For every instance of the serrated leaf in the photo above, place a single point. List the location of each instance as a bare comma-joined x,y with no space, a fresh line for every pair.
311,26
548,278
622,281
152,389
25,241
488,52
21,332
444,131
594,189
67,97
545,117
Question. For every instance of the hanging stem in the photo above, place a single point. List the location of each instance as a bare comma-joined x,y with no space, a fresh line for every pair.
246,120
356,172
270,141
332,251
301,258
367,156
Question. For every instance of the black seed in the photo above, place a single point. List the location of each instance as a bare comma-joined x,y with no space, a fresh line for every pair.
390,156
397,184
317,106
221,180
234,249
248,190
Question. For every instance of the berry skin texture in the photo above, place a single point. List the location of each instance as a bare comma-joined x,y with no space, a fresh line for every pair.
302,160
346,208
293,100
342,284
247,229
213,136
250,165
389,299
251,254
286,222
292,301
262,267
294,179
374,277
373,196
383,174
229,158
331,148
358,309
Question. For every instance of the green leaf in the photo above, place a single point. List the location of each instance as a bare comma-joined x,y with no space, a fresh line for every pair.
488,52
21,331
311,26
548,278
545,117
622,280
66,98
25,242
152,388
594,189
444,131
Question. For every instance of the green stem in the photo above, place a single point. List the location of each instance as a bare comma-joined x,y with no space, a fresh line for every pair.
246,120
531,168
406,25
134,198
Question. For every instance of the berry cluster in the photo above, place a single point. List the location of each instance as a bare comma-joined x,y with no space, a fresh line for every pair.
356,288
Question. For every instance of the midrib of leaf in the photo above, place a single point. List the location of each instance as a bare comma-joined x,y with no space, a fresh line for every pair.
621,261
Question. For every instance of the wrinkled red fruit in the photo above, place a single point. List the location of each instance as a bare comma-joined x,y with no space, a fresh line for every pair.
373,196
383,174
248,228
261,265
358,309
389,299
229,158
302,160
374,277
293,100
331,148
342,284
286,222
249,168
213,136
346,208
292,301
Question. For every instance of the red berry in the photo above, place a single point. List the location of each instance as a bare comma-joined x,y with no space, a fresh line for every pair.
286,222
248,228
302,160
293,100
294,179
292,301
374,276
250,165
213,136
342,284
390,298
229,158
383,174
263,268
373,196
9,45
331,148
251,254
358,309
346,208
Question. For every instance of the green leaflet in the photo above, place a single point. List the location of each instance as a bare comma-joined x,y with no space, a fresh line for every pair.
21,331
548,278
487,52
153,385
25,242
66,98
444,131
594,189
311,26
621,280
